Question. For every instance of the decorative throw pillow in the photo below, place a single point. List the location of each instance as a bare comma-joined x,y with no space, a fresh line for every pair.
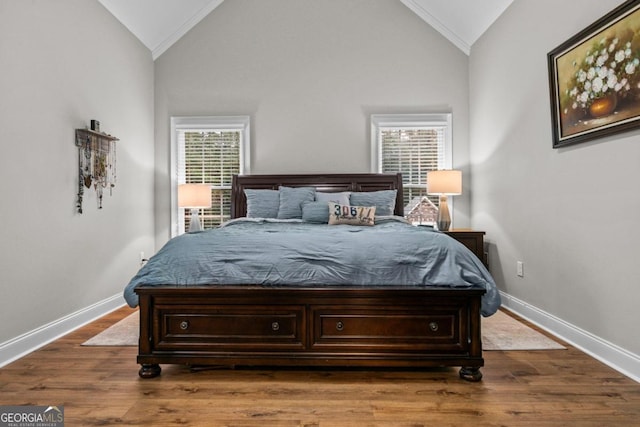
352,215
342,198
384,200
262,203
291,200
316,212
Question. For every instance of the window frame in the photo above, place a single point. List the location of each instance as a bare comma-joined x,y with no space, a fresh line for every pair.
380,122
241,124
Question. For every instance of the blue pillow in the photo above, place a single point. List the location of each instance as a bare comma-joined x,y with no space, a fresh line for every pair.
384,200
291,200
341,198
262,203
316,212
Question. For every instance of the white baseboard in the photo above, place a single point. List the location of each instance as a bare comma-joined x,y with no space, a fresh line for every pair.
618,358
26,343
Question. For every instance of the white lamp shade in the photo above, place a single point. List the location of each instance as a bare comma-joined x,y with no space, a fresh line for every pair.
444,182
194,196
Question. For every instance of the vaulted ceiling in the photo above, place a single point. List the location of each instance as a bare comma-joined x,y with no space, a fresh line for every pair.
160,23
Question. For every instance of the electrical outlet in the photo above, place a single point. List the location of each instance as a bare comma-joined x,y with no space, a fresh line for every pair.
143,260
520,269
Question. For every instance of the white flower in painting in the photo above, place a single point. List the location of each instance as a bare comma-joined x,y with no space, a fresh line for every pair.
597,84
630,68
582,76
583,97
602,59
613,44
590,74
602,72
611,64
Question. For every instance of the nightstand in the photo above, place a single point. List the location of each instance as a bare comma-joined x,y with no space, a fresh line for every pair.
474,240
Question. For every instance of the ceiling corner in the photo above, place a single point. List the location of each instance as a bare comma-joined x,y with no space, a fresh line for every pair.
184,28
449,34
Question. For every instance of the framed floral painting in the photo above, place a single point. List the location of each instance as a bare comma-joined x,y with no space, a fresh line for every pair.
594,78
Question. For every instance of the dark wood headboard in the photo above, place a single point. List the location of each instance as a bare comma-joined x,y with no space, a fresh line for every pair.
330,183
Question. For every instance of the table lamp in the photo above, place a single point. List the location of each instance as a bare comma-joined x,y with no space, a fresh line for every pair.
443,183
194,197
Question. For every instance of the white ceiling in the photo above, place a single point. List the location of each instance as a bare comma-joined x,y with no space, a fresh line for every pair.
160,23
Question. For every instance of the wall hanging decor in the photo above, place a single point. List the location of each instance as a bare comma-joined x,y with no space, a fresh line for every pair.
594,78
96,162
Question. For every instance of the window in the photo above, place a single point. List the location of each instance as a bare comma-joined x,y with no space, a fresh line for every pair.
207,150
412,144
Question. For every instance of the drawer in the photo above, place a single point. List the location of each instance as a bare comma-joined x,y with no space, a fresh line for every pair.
236,327
397,329
472,242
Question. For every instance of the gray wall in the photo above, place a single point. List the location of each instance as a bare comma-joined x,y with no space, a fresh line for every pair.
310,74
570,214
64,63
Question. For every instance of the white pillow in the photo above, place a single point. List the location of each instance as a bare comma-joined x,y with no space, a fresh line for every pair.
352,215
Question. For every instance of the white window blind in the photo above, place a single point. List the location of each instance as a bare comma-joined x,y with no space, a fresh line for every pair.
412,145
208,150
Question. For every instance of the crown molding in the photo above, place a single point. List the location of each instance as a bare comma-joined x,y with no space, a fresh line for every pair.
184,29
437,25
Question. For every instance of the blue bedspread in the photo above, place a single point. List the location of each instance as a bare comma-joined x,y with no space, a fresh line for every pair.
263,252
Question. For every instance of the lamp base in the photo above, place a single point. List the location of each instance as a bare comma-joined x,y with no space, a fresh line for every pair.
194,221
444,219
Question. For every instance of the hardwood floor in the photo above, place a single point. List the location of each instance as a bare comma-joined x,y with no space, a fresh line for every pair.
100,386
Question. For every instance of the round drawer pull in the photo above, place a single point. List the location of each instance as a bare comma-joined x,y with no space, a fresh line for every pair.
275,326
184,325
339,325
433,326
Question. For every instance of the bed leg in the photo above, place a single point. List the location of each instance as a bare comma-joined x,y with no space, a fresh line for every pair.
149,370
470,373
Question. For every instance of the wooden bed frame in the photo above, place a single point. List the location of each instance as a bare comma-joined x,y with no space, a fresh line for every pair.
349,326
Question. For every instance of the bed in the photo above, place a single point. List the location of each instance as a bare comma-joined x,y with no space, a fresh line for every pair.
239,295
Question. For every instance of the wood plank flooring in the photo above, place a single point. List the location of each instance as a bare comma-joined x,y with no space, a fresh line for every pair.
100,386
